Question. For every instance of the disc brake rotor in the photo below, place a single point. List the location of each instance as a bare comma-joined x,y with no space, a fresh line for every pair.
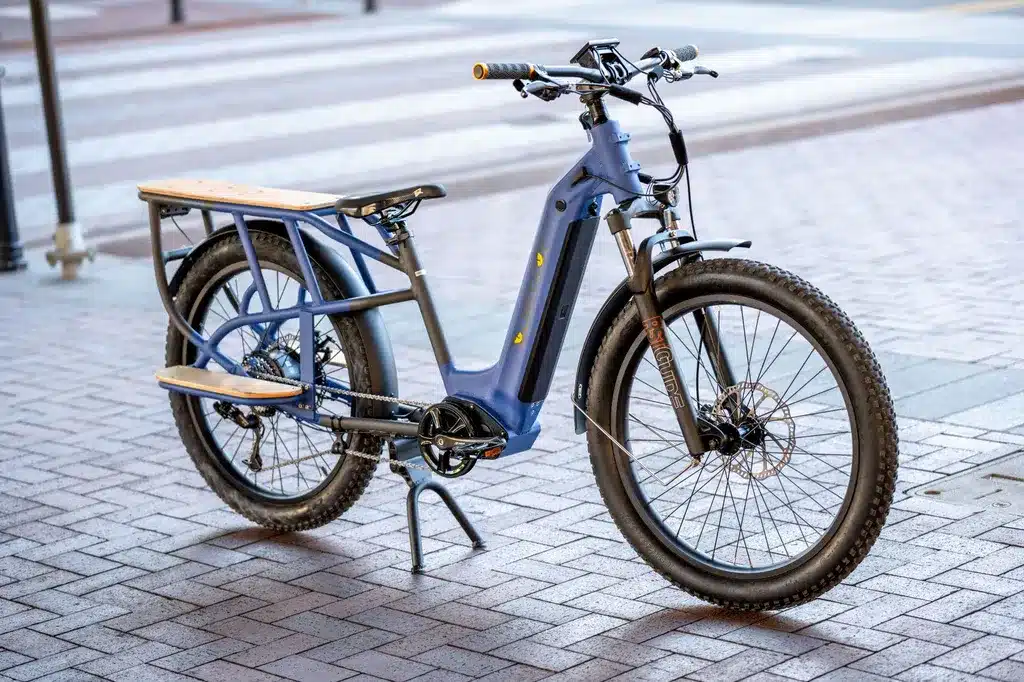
767,413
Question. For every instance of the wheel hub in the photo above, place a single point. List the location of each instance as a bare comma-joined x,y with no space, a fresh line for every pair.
745,414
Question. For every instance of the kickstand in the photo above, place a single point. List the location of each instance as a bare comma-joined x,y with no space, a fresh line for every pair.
419,480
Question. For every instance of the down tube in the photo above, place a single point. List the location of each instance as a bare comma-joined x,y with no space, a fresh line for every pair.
515,387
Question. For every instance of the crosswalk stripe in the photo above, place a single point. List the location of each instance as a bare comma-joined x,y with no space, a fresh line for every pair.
490,143
55,11
224,46
757,18
335,117
266,68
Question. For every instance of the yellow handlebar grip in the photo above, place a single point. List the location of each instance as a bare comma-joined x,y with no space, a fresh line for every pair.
479,71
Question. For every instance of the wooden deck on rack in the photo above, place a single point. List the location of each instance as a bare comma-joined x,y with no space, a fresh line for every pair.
219,191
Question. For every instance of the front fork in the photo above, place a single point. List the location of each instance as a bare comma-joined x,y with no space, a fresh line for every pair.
699,435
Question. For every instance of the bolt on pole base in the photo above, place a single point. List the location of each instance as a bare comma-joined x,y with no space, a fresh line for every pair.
69,250
12,259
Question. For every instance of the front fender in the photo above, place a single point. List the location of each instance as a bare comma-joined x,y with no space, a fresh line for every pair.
380,355
646,266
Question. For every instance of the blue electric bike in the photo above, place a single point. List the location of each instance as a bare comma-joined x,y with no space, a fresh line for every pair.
740,429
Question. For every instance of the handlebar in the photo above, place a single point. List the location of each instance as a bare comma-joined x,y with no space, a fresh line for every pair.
505,71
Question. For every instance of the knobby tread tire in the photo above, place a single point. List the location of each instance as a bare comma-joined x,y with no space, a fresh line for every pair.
347,482
875,408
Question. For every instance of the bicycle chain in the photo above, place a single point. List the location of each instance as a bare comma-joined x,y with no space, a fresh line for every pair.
356,394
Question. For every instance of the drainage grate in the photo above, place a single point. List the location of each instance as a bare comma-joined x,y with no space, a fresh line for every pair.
997,485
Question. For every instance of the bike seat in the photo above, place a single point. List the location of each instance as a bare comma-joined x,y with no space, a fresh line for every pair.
362,205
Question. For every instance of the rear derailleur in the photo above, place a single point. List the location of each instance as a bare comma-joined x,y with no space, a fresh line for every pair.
246,421
455,433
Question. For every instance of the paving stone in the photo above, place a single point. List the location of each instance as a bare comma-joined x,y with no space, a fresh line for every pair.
384,666
468,616
773,640
620,651
852,635
934,673
461,661
426,640
506,591
351,645
900,657
52,663
500,635
261,654
993,624
1008,671
593,670
34,644
516,673
222,670
696,646
930,631
954,606
248,630
104,639
147,673
302,669
882,609
319,625
979,654
739,666
198,655
998,562
220,611
564,635
819,661
539,655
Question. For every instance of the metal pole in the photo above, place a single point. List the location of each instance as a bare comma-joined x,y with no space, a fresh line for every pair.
12,257
68,240
177,12
371,6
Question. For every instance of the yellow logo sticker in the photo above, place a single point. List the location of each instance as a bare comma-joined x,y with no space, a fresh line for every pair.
519,338
540,259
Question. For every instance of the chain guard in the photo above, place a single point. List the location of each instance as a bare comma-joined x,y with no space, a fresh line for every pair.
454,434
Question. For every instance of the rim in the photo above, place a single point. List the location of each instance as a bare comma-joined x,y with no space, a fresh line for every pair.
282,438
771,505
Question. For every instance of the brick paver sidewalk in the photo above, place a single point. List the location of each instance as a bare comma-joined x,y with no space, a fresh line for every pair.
117,563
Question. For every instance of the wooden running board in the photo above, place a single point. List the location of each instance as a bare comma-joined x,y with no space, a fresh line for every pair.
225,384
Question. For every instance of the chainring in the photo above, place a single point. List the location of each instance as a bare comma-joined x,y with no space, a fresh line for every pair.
445,419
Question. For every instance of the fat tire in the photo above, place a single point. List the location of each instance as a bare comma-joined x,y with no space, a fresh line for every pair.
873,415
347,482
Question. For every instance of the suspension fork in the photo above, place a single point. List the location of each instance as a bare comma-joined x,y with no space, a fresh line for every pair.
698,440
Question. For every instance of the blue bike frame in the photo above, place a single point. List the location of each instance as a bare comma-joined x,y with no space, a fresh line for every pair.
514,388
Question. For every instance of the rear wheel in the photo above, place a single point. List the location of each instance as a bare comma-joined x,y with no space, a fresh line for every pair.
804,475
268,466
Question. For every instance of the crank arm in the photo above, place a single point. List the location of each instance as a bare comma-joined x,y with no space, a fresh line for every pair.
449,442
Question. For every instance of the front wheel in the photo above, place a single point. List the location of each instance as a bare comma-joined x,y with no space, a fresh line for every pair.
801,484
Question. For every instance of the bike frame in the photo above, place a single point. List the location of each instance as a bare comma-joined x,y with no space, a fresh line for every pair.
512,390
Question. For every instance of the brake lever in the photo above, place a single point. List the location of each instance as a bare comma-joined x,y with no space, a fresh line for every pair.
541,90
704,71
